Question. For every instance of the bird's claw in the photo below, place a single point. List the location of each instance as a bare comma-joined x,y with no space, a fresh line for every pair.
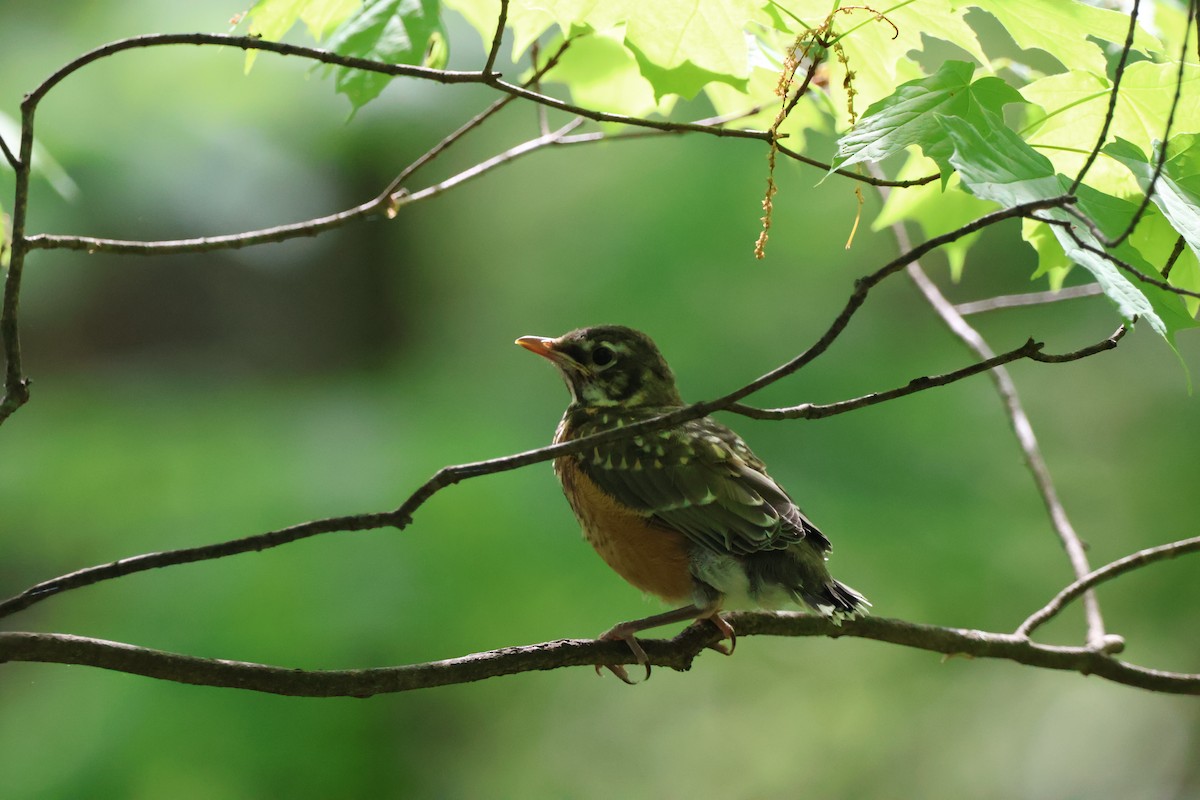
621,634
620,672
727,632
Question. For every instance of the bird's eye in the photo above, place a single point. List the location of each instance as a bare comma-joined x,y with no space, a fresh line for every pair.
602,356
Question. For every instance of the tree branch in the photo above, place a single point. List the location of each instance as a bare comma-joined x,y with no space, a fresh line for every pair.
248,43
1114,260
16,385
9,156
167,558
677,653
1031,350
1028,299
1166,136
1105,573
497,39
1113,93
1176,252
386,203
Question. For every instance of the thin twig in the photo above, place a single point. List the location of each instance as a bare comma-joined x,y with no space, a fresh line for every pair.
1031,350
872,180
379,205
1166,136
248,43
1176,252
1105,573
470,125
1028,299
1112,98
9,156
624,119
497,39
168,558
1114,260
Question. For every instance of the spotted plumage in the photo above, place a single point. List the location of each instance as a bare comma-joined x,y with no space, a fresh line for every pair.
687,513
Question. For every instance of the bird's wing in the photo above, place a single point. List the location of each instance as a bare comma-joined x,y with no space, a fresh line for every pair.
703,481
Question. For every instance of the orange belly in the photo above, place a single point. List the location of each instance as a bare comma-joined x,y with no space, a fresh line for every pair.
649,556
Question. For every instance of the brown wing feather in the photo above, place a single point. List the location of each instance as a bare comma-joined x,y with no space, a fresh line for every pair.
699,479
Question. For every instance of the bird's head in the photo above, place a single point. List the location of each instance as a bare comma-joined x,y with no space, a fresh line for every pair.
609,365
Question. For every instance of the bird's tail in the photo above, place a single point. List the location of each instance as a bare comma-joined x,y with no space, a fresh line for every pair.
837,600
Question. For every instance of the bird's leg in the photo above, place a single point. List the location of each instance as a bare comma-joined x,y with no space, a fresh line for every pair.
625,632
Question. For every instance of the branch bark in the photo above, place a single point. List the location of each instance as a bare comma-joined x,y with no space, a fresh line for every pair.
678,653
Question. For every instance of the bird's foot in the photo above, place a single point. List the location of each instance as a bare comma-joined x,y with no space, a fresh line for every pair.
624,633
727,632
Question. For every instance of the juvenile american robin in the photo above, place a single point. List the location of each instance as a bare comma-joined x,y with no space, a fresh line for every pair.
687,513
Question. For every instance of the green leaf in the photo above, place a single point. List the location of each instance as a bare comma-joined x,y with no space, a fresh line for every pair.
603,74
1112,215
910,116
323,16
1177,193
996,164
1063,28
480,15
1073,106
684,44
684,80
570,15
272,19
44,165
391,31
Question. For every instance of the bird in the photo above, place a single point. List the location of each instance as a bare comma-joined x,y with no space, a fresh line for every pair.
686,513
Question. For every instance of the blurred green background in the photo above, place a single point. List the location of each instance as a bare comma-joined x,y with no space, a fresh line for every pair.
191,399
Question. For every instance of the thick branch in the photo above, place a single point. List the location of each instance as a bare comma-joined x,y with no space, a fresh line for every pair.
677,653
